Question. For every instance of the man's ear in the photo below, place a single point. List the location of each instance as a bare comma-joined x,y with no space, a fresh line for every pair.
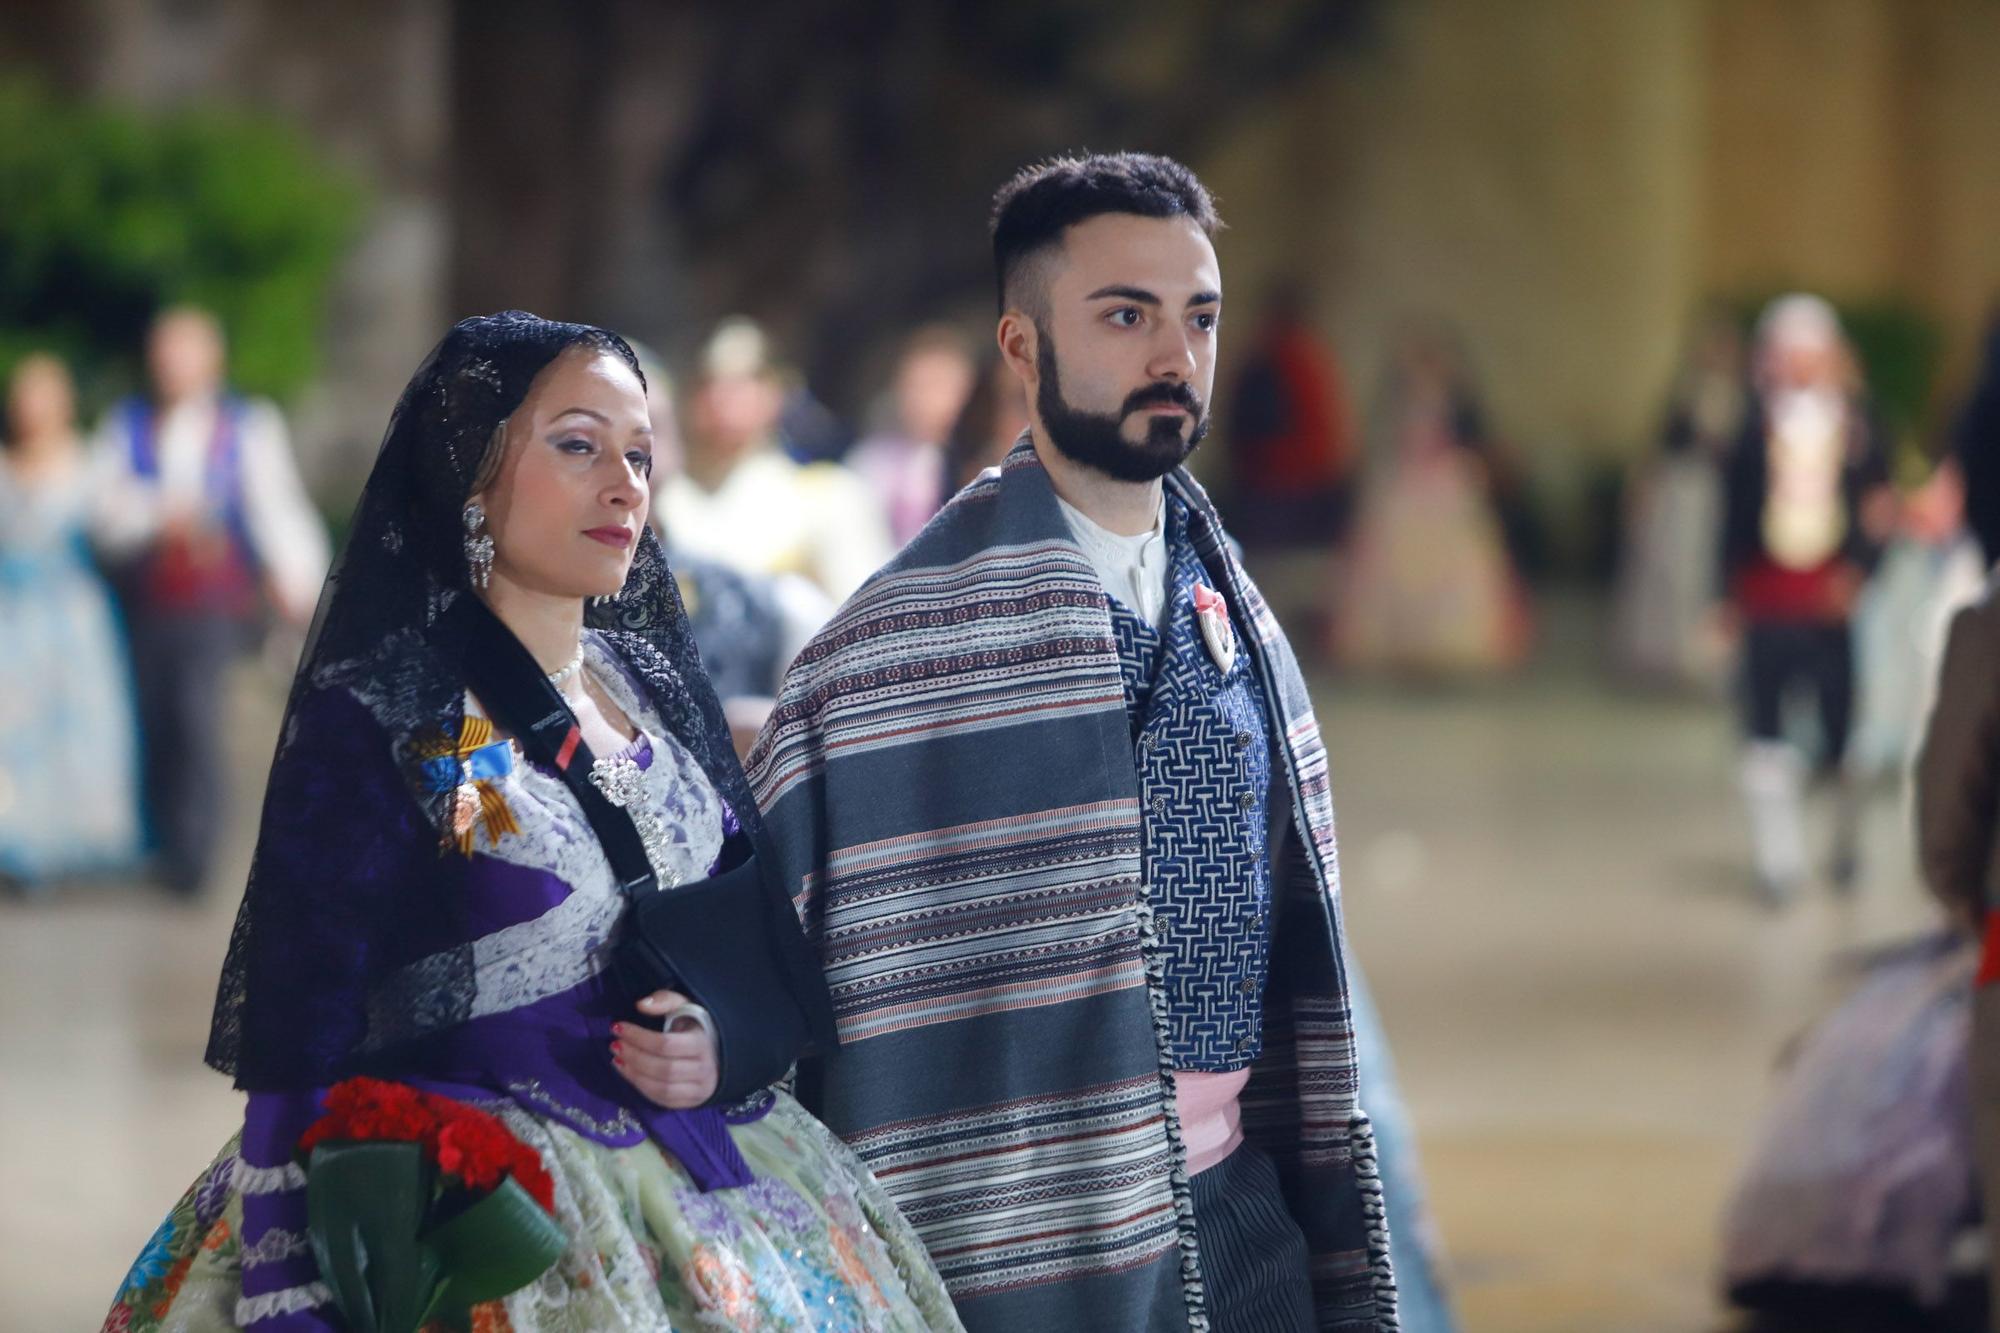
1020,347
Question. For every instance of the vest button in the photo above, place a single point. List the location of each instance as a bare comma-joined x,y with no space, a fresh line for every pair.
1243,1045
1159,805
1248,985
1243,739
1246,798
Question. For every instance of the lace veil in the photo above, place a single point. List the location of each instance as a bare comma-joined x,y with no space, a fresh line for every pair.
309,893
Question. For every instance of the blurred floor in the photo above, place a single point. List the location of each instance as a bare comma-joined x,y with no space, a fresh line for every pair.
1548,885
1544,881
106,1110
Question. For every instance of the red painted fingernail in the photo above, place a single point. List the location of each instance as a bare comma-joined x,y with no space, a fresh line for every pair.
617,1049
617,1029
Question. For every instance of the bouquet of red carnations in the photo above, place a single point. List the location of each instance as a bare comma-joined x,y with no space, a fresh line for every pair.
420,1207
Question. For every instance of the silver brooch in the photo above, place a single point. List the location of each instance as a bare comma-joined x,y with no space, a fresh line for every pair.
623,783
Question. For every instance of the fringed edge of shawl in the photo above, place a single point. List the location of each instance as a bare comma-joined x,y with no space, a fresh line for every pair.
1192,1289
1375,1215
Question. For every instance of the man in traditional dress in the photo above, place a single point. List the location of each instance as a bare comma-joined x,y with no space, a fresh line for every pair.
741,498
203,517
1807,507
1052,788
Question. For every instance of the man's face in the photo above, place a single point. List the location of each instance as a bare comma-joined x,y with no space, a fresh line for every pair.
731,414
1125,355
184,353
1806,361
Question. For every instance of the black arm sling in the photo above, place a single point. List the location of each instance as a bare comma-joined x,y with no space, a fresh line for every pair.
731,943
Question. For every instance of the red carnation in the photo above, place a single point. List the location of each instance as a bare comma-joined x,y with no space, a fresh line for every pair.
364,1109
533,1177
482,1238
476,1149
465,1142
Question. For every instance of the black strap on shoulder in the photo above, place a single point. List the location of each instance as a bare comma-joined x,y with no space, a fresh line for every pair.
517,694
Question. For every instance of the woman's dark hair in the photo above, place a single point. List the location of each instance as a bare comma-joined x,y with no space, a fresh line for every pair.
1033,210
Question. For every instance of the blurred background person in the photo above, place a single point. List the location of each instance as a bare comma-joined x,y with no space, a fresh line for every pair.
1666,584
69,771
201,510
1856,1211
1292,460
1976,448
1958,841
742,501
747,626
1806,509
1931,565
1430,589
994,415
1859,1207
808,430
905,465
1291,436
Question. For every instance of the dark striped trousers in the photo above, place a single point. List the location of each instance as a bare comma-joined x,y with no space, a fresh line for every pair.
1253,1255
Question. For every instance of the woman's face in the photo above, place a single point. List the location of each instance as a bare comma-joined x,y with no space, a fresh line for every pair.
568,504
40,404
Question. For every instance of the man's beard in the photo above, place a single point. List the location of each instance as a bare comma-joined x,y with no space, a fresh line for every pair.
1093,440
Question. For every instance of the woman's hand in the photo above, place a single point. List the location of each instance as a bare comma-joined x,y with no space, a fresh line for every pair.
677,1068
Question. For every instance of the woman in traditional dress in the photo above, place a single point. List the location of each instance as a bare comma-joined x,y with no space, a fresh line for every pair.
450,924
1430,590
1662,633
66,725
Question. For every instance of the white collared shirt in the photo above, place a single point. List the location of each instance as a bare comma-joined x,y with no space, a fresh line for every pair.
1132,569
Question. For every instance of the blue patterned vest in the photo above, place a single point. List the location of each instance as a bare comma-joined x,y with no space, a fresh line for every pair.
1202,743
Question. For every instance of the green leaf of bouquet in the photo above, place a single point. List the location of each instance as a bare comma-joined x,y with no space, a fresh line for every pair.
365,1204
496,1247
343,1262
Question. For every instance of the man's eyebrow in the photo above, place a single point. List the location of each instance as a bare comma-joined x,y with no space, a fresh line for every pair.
1138,294
1144,297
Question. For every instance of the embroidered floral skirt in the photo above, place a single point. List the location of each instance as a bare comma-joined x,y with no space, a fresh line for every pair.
814,1244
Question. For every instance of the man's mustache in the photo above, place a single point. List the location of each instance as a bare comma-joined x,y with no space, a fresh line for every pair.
1165,393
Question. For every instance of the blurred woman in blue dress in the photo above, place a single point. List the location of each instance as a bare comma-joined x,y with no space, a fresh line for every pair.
66,724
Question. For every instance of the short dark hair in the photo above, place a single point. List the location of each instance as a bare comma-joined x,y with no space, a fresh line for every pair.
1041,202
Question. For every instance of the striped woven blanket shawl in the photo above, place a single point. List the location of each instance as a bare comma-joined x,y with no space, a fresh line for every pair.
949,778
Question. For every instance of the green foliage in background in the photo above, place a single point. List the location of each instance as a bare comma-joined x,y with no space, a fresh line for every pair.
107,215
1901,349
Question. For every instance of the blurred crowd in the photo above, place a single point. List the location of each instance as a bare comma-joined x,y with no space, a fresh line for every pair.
1771,551
135,567
1765,549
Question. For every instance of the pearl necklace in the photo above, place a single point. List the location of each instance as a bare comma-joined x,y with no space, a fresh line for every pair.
568,671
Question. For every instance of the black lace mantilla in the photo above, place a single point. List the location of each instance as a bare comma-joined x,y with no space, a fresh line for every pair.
338,857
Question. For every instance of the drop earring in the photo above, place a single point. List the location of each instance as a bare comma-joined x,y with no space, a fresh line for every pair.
478,545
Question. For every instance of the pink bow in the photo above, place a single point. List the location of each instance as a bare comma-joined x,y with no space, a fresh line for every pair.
1208,599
